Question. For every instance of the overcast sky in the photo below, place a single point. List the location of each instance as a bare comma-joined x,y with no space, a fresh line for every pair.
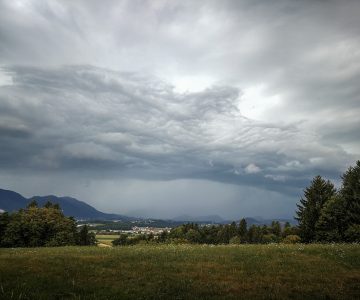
163,108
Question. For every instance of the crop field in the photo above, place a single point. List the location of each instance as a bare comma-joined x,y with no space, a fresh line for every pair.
275,271
106,239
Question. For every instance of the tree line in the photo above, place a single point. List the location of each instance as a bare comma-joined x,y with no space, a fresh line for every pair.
324,214
218,234
42,226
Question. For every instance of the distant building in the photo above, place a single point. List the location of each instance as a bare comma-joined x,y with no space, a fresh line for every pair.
148,230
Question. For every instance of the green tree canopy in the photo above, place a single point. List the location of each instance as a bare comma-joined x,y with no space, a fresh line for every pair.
309,209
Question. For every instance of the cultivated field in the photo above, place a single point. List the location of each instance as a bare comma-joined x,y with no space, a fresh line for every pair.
182,272
106,239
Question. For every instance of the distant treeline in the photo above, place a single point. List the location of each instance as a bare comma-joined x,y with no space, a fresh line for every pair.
218,234
324,215
41,226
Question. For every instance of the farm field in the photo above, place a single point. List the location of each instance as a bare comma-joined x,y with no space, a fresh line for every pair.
106,239
275,271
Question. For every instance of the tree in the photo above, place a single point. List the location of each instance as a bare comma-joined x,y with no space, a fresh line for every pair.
340,217
255,234
121,241
86,238
39,226
242,231
350,191
4,222
193,236
276,228
331,225
163,236
309,209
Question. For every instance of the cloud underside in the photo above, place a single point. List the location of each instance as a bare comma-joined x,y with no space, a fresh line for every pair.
88,119
234,105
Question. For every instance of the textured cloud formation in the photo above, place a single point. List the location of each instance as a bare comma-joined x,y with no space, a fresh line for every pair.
259,95
88,118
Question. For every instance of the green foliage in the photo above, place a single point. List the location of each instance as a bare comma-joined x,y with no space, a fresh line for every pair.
86,238
193,236
352,234
255,234
38,226
350,192
127,239
331,225
309,209
242,231
269,238
339,220
276,228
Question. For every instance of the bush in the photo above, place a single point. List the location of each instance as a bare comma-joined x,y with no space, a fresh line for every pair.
270,238
291,239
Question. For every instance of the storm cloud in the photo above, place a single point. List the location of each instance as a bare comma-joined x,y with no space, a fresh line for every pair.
172,107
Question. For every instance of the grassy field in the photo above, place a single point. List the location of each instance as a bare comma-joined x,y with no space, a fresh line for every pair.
182,272
106,239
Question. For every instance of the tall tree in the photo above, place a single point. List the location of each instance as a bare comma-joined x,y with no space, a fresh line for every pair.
242,231
85,237
276,228
309,208
350,191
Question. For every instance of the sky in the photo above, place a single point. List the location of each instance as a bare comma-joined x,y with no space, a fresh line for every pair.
165,108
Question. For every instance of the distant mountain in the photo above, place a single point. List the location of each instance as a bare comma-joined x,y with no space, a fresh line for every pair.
11,201
262,221
203,219
218,220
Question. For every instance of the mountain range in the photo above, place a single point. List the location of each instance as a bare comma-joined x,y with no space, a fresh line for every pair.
11,201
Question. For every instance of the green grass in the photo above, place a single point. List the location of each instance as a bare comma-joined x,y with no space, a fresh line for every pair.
182,272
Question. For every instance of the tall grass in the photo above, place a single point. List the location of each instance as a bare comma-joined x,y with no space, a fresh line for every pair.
275,271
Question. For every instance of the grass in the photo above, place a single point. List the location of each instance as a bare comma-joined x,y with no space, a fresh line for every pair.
182,272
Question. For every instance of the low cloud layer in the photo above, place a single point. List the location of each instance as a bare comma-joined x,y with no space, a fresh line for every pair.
251,96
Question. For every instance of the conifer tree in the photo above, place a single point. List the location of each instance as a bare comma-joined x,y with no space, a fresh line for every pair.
350,191
242,231
309,209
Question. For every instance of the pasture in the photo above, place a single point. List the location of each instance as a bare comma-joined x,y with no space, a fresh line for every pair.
274,271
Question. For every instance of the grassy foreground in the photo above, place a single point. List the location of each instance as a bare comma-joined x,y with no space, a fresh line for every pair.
182,272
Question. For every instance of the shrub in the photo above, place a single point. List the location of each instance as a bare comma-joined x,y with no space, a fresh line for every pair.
291,239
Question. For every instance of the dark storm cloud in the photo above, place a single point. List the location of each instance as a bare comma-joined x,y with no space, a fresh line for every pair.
89,119
253,93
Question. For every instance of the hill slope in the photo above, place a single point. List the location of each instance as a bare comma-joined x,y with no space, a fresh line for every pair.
12,201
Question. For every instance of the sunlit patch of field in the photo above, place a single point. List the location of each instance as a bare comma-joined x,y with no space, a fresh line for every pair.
275,271
106,239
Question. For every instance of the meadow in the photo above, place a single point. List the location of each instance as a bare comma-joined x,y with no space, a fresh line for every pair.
274,271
